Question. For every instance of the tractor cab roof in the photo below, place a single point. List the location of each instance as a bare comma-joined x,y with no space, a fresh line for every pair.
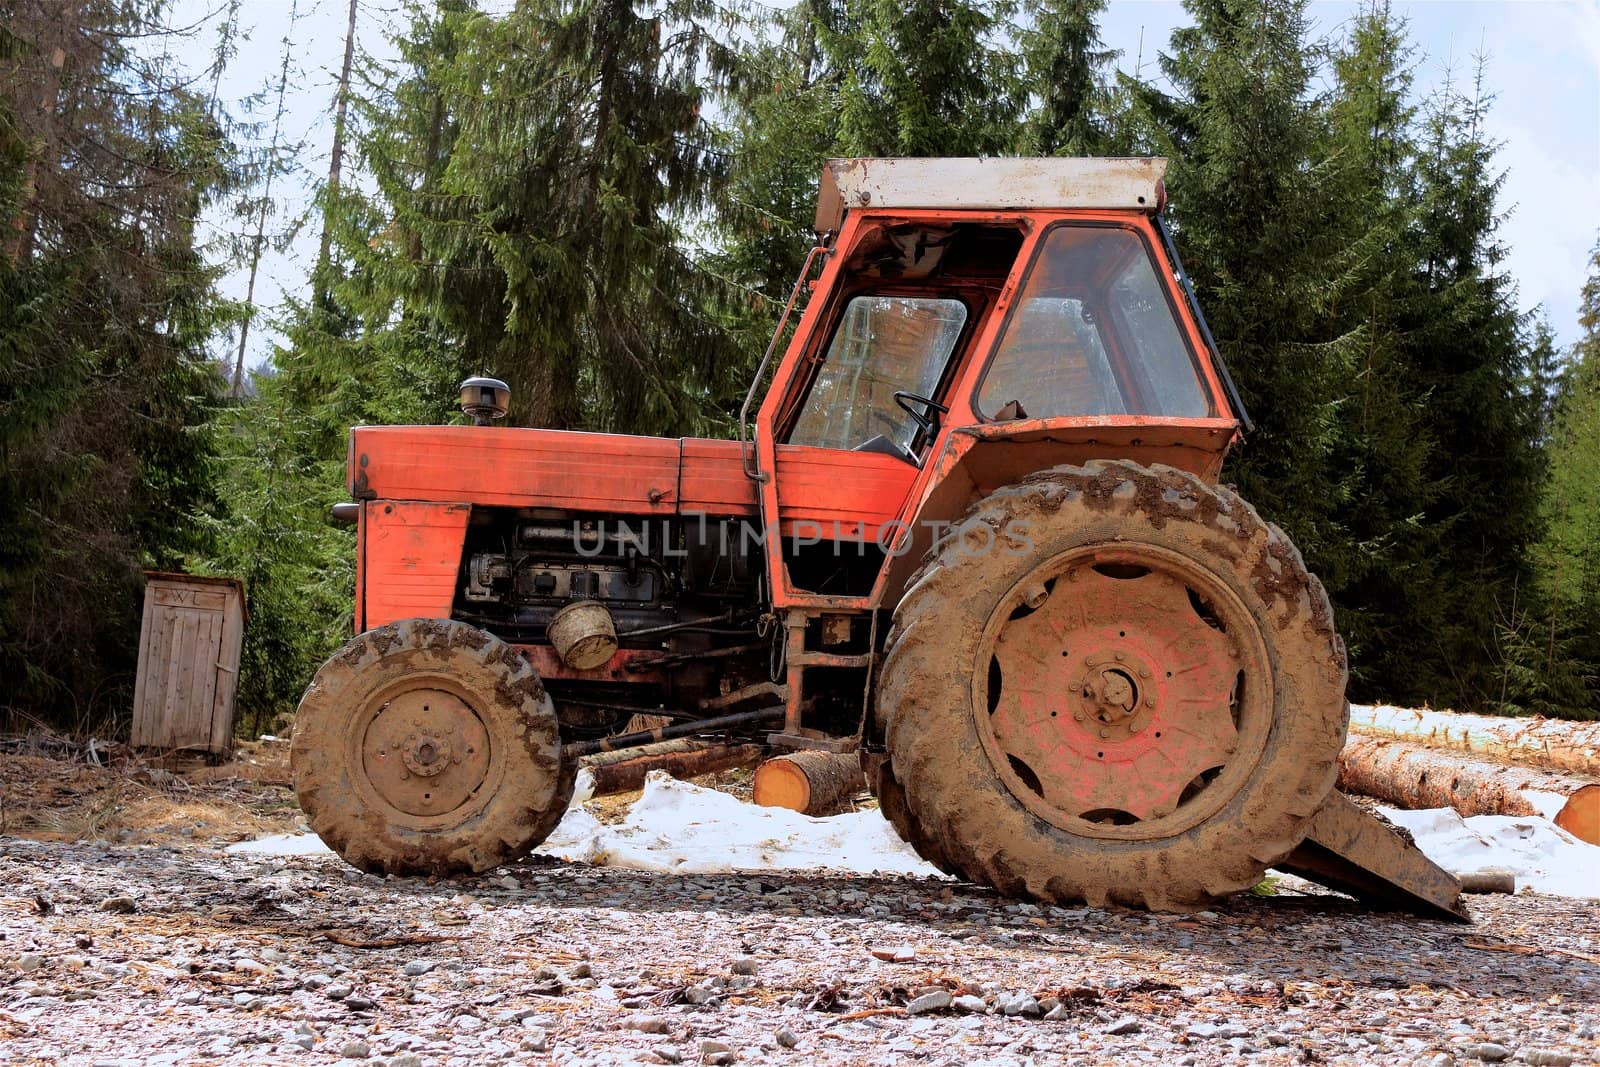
988,184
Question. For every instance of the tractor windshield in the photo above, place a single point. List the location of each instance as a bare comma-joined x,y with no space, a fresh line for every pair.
1093,333
883,345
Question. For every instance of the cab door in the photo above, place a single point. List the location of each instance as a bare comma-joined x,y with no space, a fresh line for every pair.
857,407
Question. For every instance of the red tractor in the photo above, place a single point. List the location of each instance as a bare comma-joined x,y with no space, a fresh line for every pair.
973,533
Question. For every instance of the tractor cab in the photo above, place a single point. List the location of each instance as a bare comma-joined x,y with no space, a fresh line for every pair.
975,301
1091,330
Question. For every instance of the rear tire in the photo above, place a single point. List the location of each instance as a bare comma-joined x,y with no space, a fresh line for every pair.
1119,757
892,805
429,747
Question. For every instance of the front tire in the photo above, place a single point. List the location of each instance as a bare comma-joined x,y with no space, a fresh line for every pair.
429,747
1113,684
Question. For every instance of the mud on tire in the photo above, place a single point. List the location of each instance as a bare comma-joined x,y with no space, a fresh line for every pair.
429,747
995,818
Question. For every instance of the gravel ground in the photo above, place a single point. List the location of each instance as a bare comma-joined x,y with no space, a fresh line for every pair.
158,955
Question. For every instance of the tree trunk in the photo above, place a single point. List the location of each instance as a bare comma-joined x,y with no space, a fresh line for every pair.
1554,744
46,146
621,772
815,783
258,243
321,298
1411,776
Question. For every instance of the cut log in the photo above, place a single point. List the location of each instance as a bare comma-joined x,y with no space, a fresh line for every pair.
1412,776
1489,881
620,772
815,783
1554,744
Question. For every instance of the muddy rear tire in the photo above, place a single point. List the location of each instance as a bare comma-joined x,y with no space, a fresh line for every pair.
892,805
1114,684
429,747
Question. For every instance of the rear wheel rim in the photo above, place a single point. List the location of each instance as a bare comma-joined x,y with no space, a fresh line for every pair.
1122,691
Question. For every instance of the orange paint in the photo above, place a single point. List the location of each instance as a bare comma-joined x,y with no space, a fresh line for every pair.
411,554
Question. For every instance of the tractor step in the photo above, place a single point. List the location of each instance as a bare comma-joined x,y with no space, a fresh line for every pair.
1353,851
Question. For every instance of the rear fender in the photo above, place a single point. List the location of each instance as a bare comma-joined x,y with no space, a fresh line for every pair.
976,460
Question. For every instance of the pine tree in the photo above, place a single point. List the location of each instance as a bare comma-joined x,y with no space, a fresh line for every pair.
106,309
1244,135
929,81
1064,63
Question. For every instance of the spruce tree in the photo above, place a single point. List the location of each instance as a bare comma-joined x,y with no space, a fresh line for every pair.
541,171
1465,338
1381,570
1244,135
106,311
1566,642
778,132
929,81
1063,66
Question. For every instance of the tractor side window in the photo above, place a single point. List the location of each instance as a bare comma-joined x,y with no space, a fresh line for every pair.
882,345
1093,333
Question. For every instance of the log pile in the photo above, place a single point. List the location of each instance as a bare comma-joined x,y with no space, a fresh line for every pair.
1554,744
1478,765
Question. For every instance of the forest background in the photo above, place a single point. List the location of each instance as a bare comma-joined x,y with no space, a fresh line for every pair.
606,205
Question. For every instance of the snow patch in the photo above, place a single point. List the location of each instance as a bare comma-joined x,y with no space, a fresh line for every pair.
283,845
681,828
1542,856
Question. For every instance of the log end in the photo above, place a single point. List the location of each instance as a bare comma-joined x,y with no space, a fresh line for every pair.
1580,817
778,783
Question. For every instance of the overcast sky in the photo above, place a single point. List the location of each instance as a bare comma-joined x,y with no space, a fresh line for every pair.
1544,71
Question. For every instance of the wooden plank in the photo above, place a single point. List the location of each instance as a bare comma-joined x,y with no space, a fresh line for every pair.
139,733
199,674
165,626
230,646
177,678
202,705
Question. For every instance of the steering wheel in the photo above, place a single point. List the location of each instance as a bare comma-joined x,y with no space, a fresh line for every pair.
924,417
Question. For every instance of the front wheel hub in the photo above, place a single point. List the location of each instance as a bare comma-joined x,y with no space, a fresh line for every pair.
425,751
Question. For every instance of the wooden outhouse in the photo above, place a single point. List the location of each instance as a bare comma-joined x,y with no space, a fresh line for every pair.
188,662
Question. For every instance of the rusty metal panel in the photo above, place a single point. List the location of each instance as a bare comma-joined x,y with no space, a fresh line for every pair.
516,468
413,554
713,481
994,184
840,494
189,644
